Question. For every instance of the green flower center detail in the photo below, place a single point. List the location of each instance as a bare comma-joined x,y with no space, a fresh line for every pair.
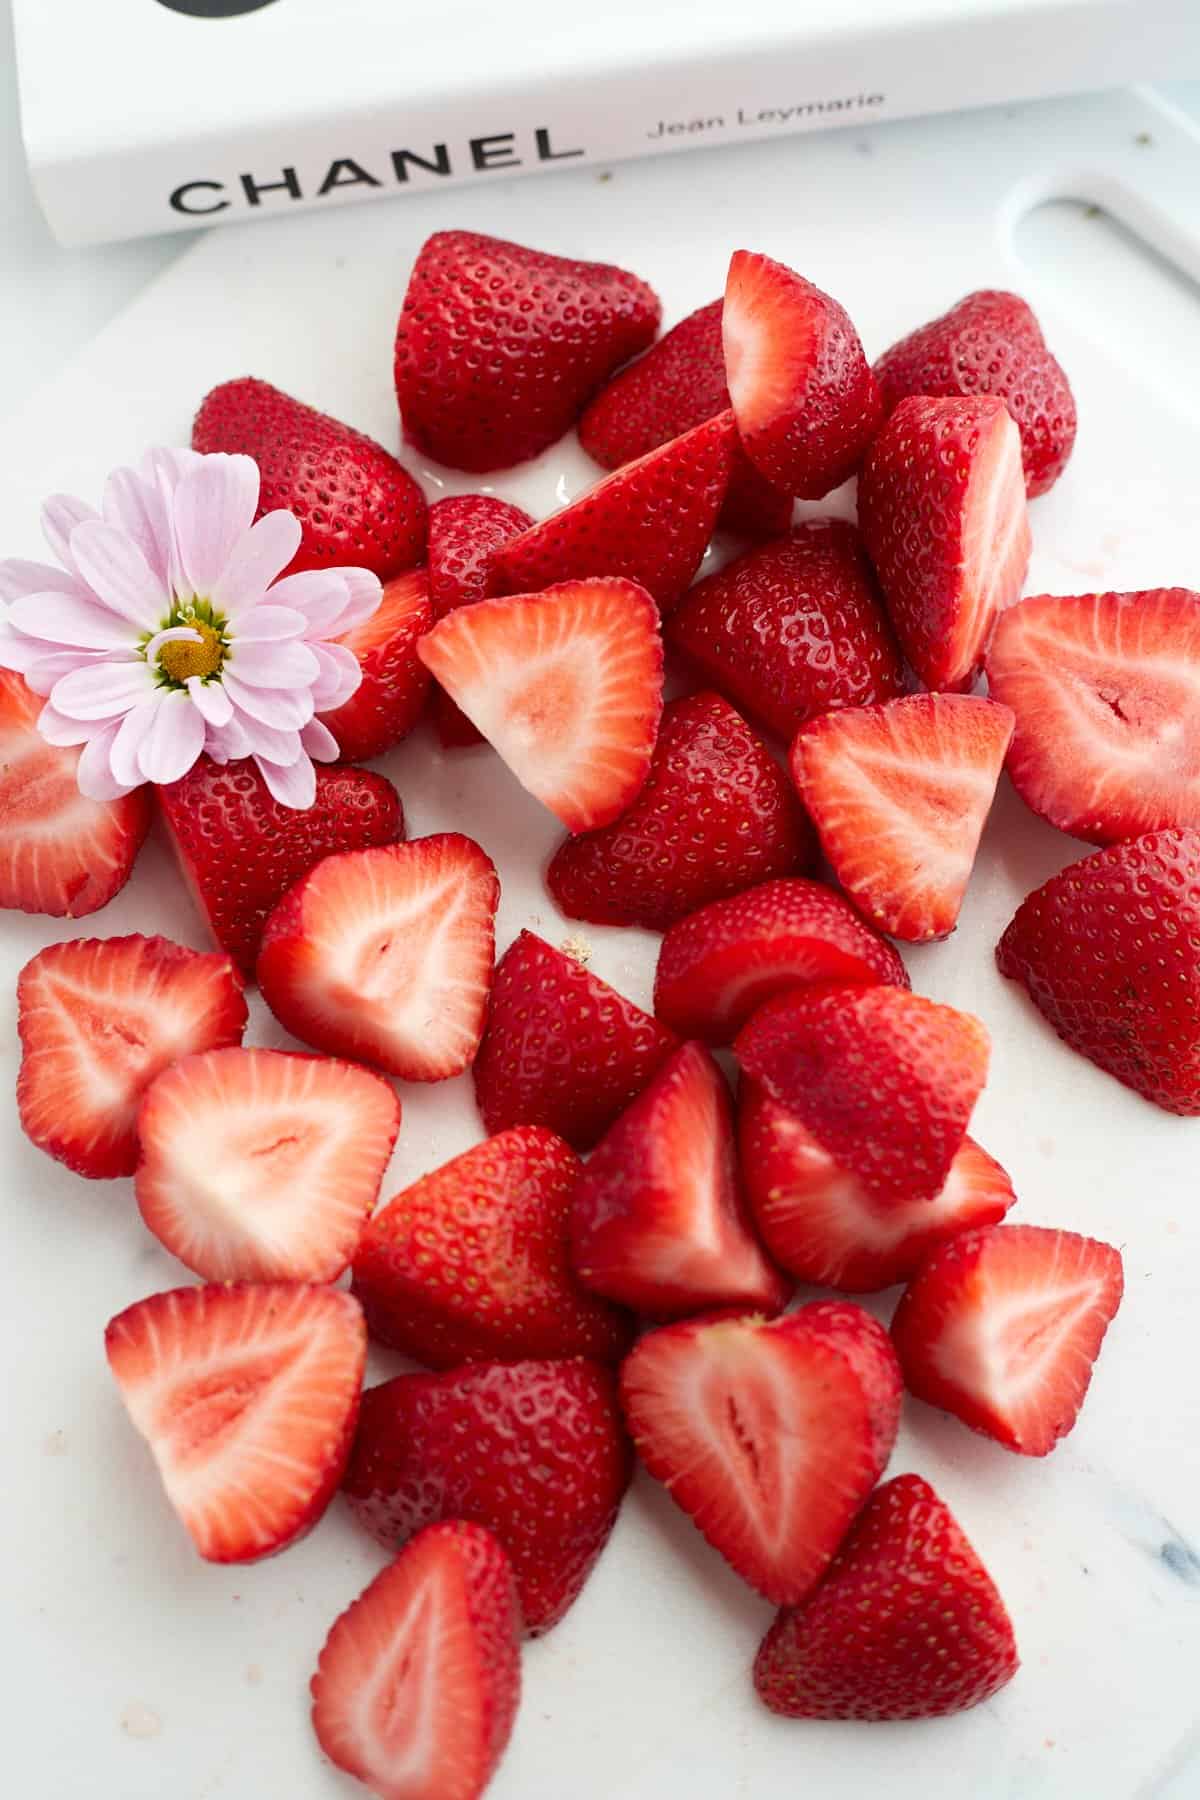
179,660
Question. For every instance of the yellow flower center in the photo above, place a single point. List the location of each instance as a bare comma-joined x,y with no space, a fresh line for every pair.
182,658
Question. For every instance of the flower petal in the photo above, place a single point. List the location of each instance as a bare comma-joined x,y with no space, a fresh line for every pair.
288,709
47,670
270,624
283,665
320,742
103,690
294,786
213,509
227,743
18,577
320,594
365,592
139,508
166,468
56,728
94,772
340,676
118,574
18,652
61,513
282,747
260,556
210,700
174,741
72,621
131,734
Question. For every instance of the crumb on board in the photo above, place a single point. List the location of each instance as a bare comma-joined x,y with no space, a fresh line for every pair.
577,947
140,1721
1145,140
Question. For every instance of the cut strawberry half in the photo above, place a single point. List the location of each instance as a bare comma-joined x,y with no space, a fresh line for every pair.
247,1397
385,955
263,1165
900,794
391,696
1002,1327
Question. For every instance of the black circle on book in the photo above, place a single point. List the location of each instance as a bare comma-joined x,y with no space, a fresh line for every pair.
215,9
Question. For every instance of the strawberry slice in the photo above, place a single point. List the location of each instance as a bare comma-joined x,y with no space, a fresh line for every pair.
821,1224
247,1397
1106,692
419,1680
465,530
99,1018
1001,1327
884,1080
391,696
566,685
907,1624
719,965
59,853
657,1218
900,794
262,1165
941,502
385,955
803,394
769,1434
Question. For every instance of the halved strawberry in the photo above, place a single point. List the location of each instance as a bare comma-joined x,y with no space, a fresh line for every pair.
802,391
769,1434
263,1165
419,1679
385,955
820,1223
566,685
900,794
391,696
99,1018
657,1218
247,1397
1002,1326
941,502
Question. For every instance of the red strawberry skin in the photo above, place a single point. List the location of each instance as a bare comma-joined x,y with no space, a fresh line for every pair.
907,1624
991,343
356,504
395,683
465,531
534,1451
543,333
716,815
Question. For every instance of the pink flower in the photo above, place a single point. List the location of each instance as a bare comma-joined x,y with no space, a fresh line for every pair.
166,632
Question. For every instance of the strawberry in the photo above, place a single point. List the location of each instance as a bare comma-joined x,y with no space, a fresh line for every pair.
99,1018
715,816
649,521
821,1224
385,955
499,347
1001,1326
240,850
721,964
793,628
419,1680
1107,950
534,1451
675,386
566,685
884,1080
247,1397
1104,688
59,853
907,1624
802,392
391,696
464,532
899,794
657,1218
769,1434
991,343
941,502
562,1048
356,504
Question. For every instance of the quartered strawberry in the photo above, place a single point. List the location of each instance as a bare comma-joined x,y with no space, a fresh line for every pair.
566,685
1106,692
263,1165
941,503
657,1218
715,815
650,522
59,853
991,343
419,1679
884,1080
99,1018
356,504
769,1434
385,955
1107,951
821,1224
1002,1326
793,628
534,1451
900,794
391,696
247,1397
802,391
499,347
241,851
562,1048
907,1624
465,530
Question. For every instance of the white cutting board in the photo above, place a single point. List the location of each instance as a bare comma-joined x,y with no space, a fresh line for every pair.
131,1670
